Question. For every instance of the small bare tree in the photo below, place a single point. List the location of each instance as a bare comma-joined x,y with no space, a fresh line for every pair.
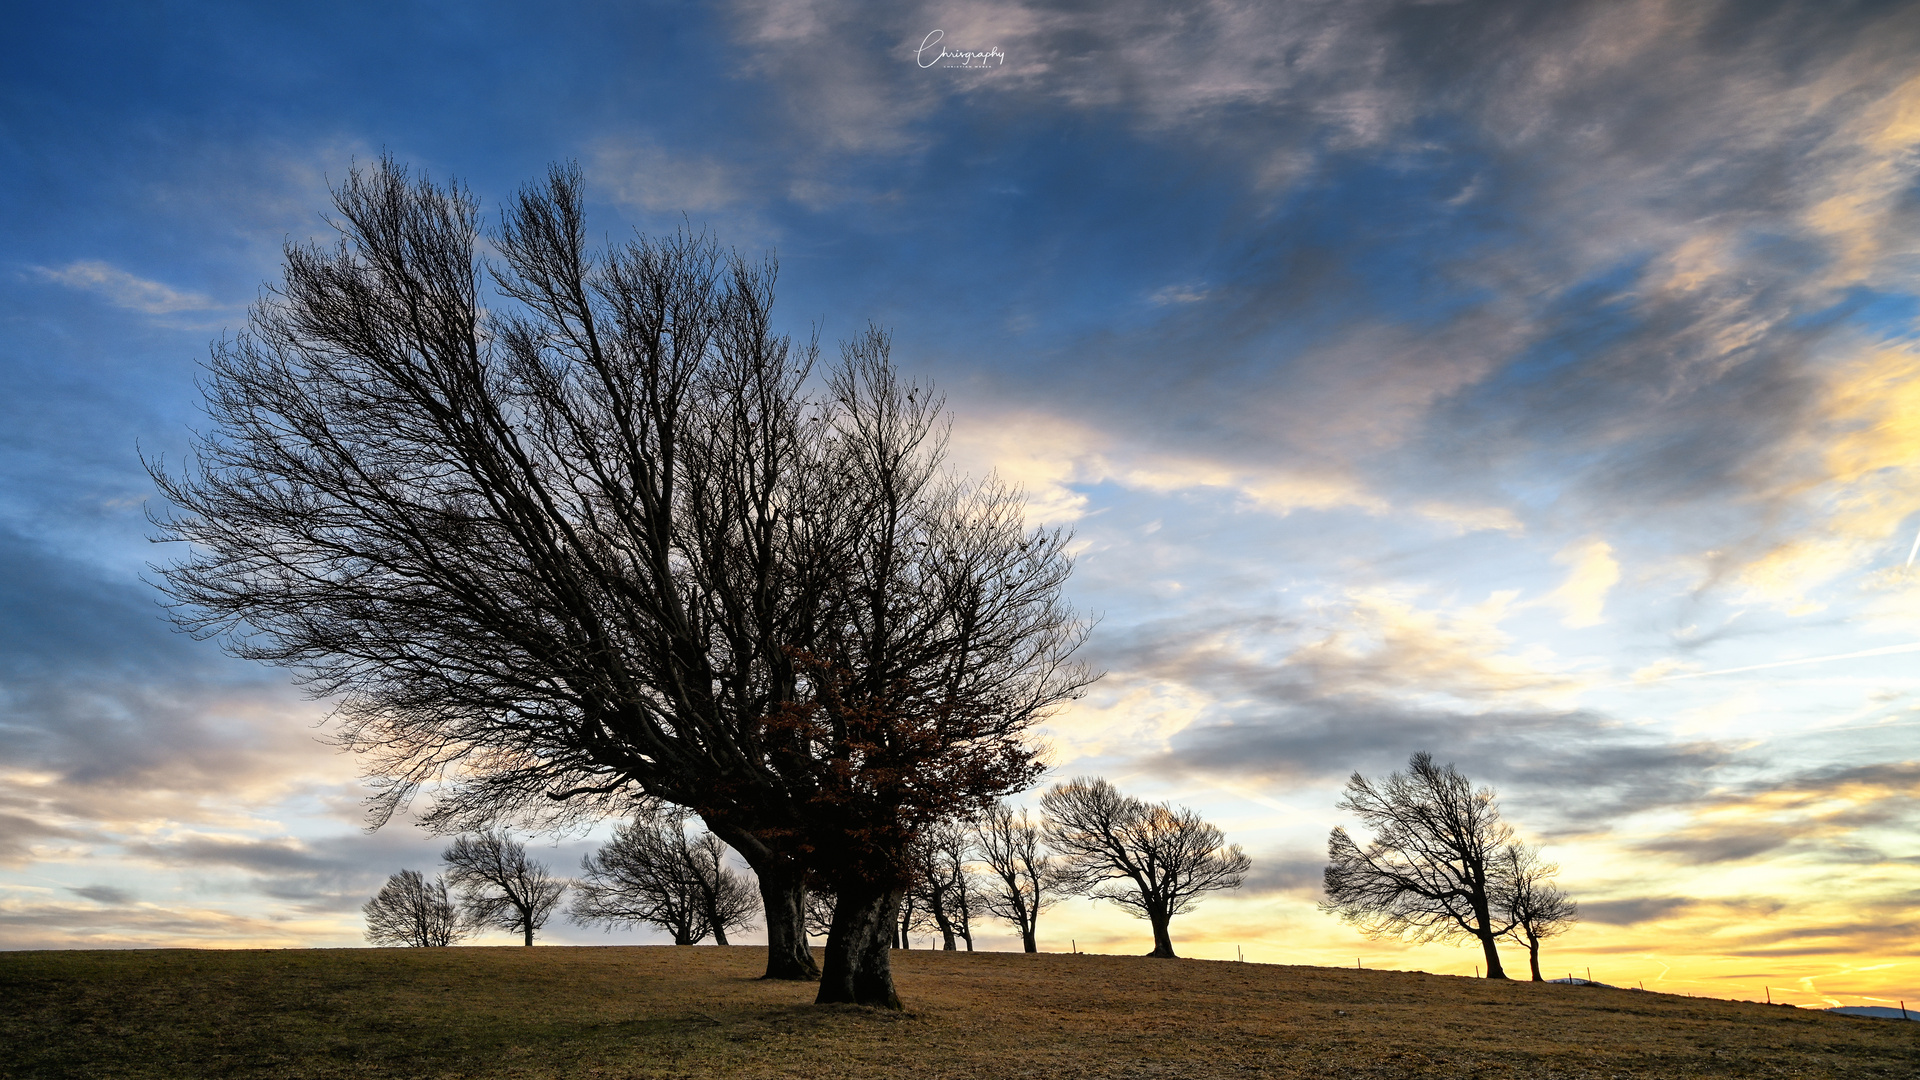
945,894
1532,903
819,912
1433,871
1151,859
1025,879
412,911
499,886
651,873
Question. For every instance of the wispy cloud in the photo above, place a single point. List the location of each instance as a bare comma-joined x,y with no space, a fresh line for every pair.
125,290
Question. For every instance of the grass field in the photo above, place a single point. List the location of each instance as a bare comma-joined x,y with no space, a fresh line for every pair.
698,1012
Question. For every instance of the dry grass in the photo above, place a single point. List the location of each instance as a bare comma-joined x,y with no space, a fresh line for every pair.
698,1012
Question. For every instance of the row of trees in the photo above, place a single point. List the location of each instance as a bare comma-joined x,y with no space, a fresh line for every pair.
489,883
1441,866
1153,860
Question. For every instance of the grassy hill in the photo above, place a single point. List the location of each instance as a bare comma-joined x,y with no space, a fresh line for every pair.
698,1012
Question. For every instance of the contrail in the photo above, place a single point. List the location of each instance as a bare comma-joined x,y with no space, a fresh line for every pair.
1884,650
1914,550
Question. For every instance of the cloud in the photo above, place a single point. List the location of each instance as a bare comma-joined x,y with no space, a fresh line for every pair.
113,726
1286,873
1593,573
31,923
328,874
1641,909
641,173
1178,294
1641,335
125,290
1816,813
1362,683
1051,456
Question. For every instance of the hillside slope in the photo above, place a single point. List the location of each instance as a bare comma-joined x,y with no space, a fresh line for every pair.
698,1012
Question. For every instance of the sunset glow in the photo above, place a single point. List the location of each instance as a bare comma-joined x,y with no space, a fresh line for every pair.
1536,385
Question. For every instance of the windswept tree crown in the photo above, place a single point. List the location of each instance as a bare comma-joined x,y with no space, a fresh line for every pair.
566,526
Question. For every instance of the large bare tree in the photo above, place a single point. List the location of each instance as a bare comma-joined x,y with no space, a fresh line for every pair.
412,911
652,873
1153,860
1530,901
601,540
1434,869
1025,879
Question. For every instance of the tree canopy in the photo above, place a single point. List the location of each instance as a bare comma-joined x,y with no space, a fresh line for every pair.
569,528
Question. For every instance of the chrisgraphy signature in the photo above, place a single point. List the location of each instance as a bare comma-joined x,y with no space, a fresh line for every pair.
966,59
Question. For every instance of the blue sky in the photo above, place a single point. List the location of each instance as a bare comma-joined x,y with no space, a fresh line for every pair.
1530,384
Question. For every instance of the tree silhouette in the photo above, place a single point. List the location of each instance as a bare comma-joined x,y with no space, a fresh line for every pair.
499,886
412,911
1151,859
1024,880
1535,907
945,886
651,873
606,539
1433,871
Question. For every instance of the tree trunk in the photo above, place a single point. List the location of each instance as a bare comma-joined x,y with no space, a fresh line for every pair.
859,968
784,895
1026,940
719,934
1494,970
1162,940
529,929
1533,957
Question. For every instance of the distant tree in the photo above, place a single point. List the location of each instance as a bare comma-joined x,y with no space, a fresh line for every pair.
1024,880
945,893
1151,859
499,886
1433,871
650,873
912,919
819,912
412,911
1535,907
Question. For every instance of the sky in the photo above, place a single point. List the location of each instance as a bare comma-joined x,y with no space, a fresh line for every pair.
1535,385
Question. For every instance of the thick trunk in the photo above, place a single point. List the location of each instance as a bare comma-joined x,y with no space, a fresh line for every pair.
1162,940
859,968
784,895
783,899
1533,957
529,929
719,934
1026,940
1494,970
